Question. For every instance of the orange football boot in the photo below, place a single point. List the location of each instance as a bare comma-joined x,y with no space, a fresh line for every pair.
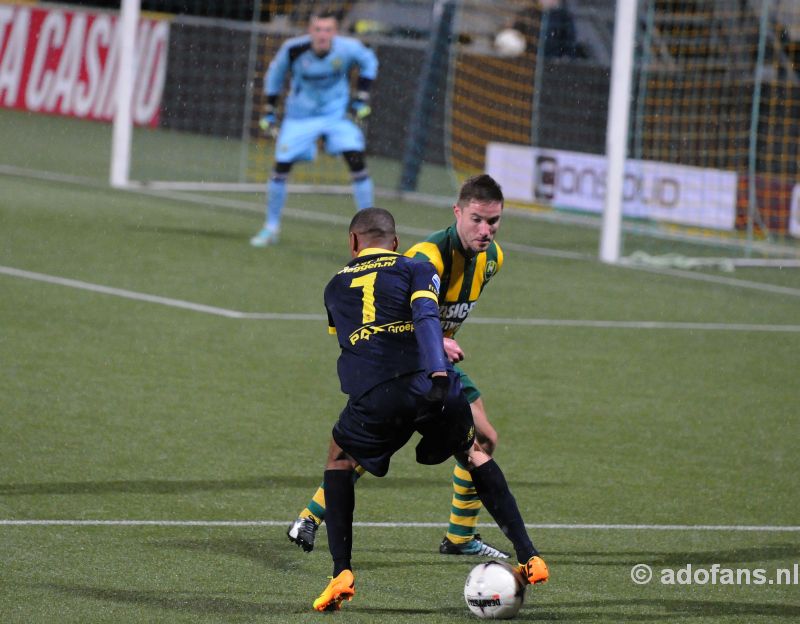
535,571
341,588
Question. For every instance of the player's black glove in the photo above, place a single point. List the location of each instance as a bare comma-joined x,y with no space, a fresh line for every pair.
360,106
431,404
269,122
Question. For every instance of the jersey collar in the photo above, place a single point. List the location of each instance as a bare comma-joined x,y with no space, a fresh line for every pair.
371,251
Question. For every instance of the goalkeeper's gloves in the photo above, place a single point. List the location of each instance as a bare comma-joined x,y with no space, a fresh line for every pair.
360,106
431,404
269,122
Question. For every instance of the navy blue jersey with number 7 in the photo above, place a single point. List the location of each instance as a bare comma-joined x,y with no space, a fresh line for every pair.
383,308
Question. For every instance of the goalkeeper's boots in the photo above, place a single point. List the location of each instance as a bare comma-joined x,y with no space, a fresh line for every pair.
341,588
475,546
266,236
534,571
302,532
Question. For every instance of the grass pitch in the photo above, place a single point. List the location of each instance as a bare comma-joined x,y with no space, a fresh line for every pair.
622,397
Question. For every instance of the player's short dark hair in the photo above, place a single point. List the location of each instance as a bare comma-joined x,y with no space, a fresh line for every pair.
325,12
374,224
480,188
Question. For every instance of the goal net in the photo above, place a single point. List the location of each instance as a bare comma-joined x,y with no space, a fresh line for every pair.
713,122
207,137
521,90
716,115
207,133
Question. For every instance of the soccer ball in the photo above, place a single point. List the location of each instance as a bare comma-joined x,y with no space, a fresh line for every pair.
494,591
509,42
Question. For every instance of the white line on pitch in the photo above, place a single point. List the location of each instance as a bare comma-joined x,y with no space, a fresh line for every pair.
403,525
276,316
166,301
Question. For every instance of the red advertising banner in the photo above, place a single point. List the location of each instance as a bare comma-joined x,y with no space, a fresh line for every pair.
65,62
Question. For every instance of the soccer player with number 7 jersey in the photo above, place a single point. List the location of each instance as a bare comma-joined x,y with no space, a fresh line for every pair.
383,308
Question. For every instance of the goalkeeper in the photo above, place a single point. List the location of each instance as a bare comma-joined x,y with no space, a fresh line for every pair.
317,105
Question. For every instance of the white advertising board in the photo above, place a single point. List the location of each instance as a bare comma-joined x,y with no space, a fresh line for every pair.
652,190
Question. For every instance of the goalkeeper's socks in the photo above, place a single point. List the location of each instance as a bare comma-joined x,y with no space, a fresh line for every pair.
492,488
316,506
363,190
276,198
341,498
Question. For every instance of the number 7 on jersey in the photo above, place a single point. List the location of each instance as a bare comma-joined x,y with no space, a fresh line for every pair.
367,282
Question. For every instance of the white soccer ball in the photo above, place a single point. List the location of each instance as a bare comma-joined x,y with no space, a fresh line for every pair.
494,591
509,42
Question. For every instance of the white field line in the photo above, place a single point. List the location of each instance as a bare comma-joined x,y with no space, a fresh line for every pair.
275,316
165,301
310,215
403,525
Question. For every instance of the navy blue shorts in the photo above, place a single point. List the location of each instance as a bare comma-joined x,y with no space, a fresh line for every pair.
376,425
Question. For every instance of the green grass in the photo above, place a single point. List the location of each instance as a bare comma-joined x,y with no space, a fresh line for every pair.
116,409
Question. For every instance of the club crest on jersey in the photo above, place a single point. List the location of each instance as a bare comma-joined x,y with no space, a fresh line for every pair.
336,63
491,269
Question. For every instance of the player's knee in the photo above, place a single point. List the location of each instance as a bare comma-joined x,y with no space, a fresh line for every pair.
342,464
473,457
355,162
338,459
282,169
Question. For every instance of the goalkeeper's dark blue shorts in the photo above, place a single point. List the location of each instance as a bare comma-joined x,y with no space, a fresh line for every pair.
374,426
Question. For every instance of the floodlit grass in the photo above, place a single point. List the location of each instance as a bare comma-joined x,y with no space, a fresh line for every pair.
114,408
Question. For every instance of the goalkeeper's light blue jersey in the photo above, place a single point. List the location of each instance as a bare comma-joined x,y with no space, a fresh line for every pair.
320,85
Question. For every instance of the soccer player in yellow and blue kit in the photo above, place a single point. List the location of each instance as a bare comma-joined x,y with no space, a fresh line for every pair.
317,106
466,257
383,308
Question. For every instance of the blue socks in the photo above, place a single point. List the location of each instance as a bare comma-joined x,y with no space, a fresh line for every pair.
363,190
276,198
363,193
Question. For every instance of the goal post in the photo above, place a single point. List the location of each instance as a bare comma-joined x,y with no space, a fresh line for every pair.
617,132
123,119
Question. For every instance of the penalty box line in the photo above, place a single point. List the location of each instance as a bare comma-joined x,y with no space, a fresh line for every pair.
404,525
276,316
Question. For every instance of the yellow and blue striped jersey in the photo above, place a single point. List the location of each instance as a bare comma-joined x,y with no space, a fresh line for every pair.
463,278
